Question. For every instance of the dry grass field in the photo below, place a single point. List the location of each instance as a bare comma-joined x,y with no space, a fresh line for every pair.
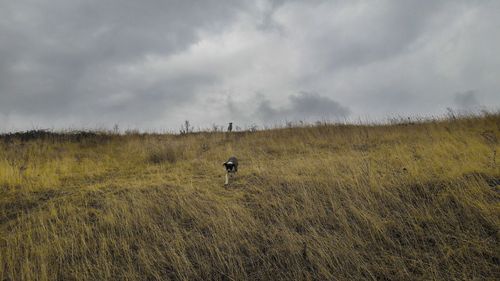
407,201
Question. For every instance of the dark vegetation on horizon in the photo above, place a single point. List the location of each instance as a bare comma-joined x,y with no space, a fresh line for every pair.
188,128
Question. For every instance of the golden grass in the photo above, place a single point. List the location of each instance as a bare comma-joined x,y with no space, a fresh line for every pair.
329,202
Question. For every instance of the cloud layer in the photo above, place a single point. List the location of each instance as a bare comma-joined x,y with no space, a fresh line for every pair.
153,64
302,107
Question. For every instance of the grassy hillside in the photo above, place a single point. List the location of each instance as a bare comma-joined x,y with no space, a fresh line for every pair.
329,202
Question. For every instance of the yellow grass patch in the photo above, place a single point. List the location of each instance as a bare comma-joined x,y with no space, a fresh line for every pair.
330,202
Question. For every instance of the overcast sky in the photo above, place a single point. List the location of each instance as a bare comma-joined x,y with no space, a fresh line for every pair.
152,64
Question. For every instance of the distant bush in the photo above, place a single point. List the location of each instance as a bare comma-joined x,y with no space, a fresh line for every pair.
72,136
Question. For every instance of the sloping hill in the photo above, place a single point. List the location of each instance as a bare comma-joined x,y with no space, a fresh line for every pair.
409,201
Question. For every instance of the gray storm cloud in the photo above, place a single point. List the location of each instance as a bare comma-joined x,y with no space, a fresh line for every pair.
76,59
466,100
153,64
303,107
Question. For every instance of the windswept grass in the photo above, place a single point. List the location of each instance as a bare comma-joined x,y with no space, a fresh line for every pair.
329,202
